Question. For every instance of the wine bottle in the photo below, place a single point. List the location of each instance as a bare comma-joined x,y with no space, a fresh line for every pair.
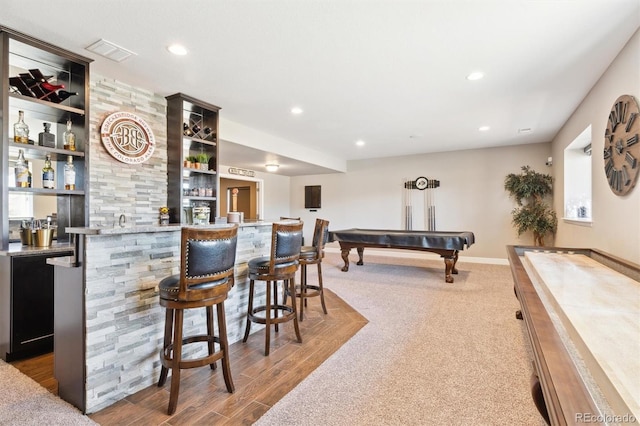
69,174
39,76
53,97
69,138
33,85
63,94
28,79
47,138
51,87
20,129
20,86
186,130
48,174
22,171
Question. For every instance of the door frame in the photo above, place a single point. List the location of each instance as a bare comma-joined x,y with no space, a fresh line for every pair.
259,192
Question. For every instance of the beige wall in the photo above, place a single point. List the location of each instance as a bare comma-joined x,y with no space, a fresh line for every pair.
471,196
616,220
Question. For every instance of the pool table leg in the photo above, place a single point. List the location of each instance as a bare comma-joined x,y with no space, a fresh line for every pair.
360,254
450,266
345,257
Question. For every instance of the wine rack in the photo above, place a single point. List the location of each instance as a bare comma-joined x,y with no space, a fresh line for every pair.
192,144
51,86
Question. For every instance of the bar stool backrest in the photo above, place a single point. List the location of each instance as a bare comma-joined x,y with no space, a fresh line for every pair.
286,240
208,256
320,234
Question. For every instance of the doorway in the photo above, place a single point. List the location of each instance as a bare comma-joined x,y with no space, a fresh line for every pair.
248,196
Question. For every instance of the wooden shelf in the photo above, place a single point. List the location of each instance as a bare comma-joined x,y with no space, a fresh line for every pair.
181,110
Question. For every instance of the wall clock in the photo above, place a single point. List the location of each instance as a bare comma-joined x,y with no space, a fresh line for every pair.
422,183
621,147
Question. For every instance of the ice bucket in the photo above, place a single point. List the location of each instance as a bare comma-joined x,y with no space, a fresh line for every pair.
27,237
44,237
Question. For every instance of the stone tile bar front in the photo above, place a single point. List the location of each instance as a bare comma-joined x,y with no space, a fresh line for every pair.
109,323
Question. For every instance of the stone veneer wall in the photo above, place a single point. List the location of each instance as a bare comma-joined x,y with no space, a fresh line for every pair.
135,190
124,320
125,323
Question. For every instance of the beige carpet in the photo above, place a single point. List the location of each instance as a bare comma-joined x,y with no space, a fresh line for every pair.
25,402
432,353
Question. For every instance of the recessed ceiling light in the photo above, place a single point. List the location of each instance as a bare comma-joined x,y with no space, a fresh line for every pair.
177,49
525,130
484,128
296,111
272,167
476,75
360,143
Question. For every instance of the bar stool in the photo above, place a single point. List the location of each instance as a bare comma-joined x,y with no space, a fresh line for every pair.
206,275
280,265
310,255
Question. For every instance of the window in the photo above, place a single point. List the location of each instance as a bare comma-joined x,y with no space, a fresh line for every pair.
577,178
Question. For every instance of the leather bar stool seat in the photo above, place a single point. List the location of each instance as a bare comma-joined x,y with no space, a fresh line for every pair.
280,266
207,263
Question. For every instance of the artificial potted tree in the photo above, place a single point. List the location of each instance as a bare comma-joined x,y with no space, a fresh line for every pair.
529,190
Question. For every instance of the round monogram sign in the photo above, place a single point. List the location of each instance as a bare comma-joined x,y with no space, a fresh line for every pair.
127,137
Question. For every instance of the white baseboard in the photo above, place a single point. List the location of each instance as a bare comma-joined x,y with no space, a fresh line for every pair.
414,254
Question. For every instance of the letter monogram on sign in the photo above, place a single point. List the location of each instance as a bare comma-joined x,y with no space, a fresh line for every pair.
127,137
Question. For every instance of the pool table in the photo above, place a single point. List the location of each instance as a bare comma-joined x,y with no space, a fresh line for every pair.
446,244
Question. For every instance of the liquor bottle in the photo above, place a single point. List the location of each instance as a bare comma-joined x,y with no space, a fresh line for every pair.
69,174
22,171
69,138
20,129
46,138
63,94
48,174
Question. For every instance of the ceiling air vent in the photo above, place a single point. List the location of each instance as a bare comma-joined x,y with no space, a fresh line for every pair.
110,50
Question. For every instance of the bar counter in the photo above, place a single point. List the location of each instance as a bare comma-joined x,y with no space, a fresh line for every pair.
108,322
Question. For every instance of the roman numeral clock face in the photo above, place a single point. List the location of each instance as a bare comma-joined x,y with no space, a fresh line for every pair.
621,147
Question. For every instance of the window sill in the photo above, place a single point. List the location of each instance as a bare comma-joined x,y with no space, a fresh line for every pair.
579,222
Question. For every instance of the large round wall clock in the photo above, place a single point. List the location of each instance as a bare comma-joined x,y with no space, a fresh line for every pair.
621,147
127,137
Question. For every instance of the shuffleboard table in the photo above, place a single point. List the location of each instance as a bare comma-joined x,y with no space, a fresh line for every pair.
446,244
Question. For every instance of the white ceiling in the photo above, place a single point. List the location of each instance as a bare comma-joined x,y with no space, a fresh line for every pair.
389,72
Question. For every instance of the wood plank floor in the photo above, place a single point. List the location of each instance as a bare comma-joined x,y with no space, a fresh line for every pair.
259,381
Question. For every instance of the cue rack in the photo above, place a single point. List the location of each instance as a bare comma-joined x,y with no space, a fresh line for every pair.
427,187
